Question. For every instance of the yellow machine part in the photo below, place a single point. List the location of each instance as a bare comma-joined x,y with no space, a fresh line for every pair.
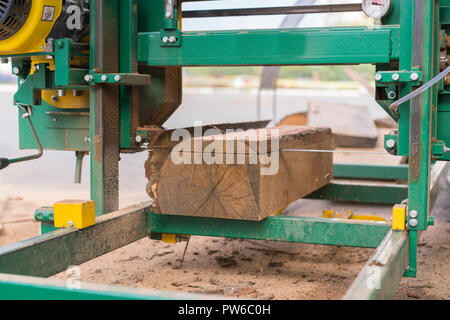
74,213
42,59
69,101
31,37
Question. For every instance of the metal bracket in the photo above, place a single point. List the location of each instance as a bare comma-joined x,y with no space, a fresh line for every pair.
415,77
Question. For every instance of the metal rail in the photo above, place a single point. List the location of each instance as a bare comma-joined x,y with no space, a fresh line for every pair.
382,274
353,7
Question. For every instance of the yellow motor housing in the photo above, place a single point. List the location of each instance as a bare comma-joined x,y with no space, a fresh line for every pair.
31,37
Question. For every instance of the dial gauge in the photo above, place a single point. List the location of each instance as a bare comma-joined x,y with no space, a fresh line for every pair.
376,9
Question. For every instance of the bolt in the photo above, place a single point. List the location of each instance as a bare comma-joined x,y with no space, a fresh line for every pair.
168,14
104,77
139,138
16,70
395,77
87,139
431,221
49,57
88,77
165,39
54,98
392,95
414,76
76,93
378,77
70,223
390,143
61,93
413,214
117,77
36,67
413,223
172,39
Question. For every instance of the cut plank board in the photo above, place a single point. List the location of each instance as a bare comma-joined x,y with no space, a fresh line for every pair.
352,125
248,190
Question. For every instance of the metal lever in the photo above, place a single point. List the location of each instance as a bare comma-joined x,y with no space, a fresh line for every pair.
4,162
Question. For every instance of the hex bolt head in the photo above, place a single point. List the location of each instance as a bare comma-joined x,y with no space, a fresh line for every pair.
413,214
88,77
414,76
70,223
16,70
413,223
139,138
390,143
104,77
172,39
395,77
117,77
378,77
165,39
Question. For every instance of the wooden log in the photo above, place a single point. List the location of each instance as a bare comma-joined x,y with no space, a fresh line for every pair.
231,176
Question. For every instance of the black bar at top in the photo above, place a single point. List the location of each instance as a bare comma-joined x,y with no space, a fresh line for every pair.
273,11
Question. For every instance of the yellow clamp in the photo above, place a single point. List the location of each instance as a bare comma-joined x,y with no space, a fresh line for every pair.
74,214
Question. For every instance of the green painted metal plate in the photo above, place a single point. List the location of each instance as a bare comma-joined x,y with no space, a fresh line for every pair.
273,47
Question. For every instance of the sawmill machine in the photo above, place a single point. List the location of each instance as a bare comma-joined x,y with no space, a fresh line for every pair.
95,77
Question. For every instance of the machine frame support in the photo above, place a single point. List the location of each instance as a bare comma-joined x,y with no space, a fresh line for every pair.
105,136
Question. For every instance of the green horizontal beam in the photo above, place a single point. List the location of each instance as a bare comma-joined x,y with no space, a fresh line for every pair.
362,193
382,274
53,252
301,46
370,172
29,288
277,228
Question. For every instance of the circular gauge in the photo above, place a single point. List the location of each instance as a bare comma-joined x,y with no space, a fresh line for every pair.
376,9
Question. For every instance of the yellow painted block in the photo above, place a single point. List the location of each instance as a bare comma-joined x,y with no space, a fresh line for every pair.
74,213
329,214
169,238
399,217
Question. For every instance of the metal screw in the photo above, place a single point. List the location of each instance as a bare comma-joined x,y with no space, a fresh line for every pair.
395,77
87,139
54,98
378,77
413,223
390,143
392,95
61,93
414,76
139,138
49,57
413,214
88,77
173,39
76,93
117,77
70,223
165,39
16,70
104,77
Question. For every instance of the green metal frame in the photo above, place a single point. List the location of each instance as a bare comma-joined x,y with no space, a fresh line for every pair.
409,40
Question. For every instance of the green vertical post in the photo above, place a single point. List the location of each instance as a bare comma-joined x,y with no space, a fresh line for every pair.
129,95
104,107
